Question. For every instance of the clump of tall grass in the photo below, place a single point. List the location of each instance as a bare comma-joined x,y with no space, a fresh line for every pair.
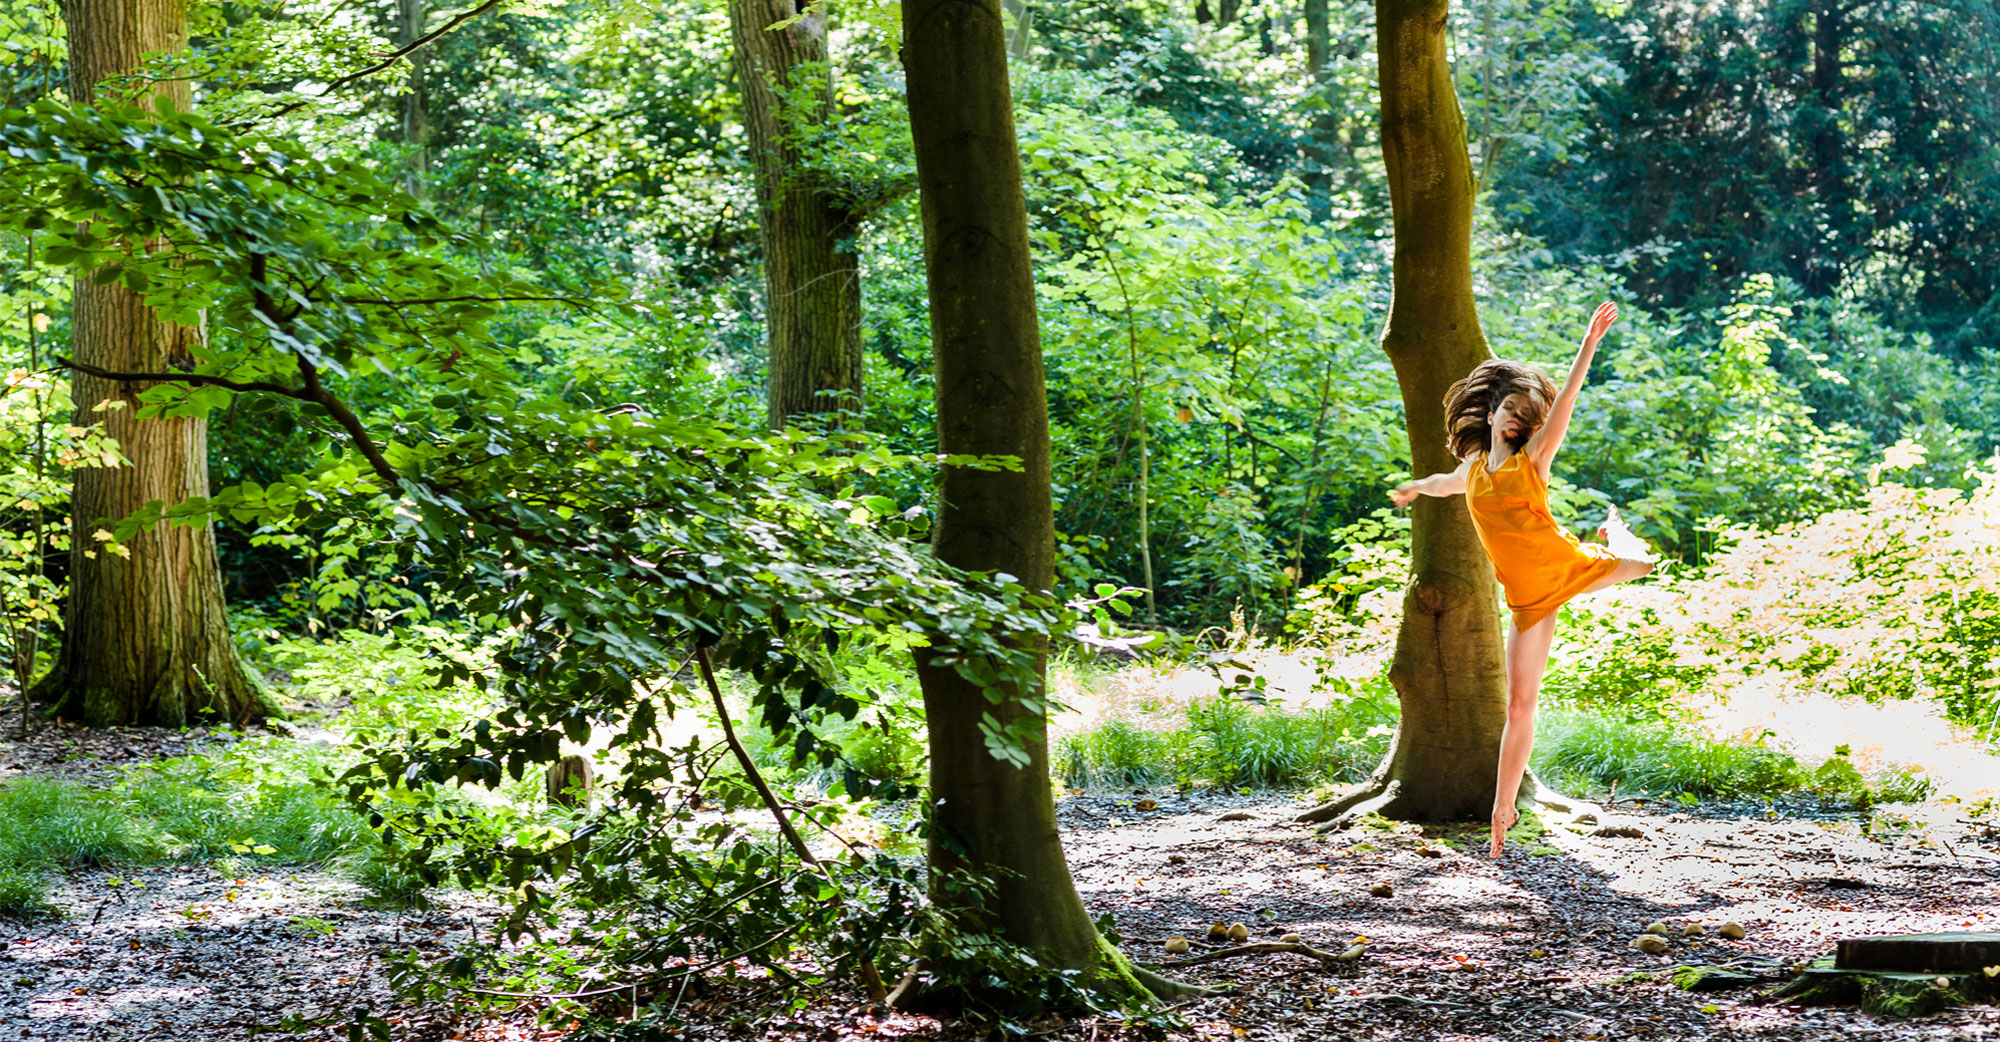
1227,741
1589,751
232,808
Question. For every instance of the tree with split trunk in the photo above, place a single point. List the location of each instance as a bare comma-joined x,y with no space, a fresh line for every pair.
1448,670
812,276
994,818
146,638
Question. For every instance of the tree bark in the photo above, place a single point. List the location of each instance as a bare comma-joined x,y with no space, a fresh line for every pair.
991,818
416,103
1829,175
1448,670
1322,143
147,638
812,276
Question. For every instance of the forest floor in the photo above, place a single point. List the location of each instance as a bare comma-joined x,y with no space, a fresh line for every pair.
1533,947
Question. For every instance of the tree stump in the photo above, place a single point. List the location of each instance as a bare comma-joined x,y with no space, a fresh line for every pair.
570,782
1920,952
1908,975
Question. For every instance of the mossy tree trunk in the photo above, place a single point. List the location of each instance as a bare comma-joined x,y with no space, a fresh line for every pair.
1448,669
992,818
146,638
812,276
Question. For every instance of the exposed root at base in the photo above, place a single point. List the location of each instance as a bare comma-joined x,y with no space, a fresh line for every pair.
1385,797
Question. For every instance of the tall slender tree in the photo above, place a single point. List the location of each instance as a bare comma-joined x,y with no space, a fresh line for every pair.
993,817
812,276
146,640
416,116
1448,670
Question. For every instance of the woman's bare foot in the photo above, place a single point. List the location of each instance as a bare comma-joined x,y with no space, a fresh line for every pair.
1503,819
1621,539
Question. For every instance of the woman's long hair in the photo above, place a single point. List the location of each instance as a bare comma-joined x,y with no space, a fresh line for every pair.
1469,404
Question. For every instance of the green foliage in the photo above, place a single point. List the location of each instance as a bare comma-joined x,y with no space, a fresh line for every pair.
260,801
1655,757
38,449
1625,670
603,547
1225,741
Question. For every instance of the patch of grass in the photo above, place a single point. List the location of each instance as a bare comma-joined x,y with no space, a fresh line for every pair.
1580,750
253,804
1226,741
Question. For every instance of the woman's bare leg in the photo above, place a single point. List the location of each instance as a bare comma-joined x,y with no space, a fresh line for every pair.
1527,659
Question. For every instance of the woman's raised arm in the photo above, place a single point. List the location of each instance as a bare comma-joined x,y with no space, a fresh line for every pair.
1542,446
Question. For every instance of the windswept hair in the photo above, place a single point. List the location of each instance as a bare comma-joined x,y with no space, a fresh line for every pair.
1472,400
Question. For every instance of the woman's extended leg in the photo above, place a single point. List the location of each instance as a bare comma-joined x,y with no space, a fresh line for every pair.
1527,658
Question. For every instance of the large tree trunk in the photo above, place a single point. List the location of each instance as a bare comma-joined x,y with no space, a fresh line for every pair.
147,639
1448,670
992,818
812,278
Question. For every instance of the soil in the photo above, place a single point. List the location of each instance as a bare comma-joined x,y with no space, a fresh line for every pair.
1533,947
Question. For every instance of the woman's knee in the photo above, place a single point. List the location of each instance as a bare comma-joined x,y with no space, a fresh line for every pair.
1521,699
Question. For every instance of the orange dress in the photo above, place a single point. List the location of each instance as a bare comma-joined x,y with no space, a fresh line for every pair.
1539,563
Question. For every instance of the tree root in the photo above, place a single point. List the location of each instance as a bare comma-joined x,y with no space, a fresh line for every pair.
1384,796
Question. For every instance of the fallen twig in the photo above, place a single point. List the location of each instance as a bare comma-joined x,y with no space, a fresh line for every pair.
1270,948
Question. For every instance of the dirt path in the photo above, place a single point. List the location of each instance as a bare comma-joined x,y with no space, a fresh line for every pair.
1532,948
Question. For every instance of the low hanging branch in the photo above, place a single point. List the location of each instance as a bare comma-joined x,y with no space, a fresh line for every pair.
313,392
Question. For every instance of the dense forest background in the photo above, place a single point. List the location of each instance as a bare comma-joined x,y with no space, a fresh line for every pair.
1795,200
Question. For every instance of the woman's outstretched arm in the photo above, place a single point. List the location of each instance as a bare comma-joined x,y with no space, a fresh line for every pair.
1449,483
1542,446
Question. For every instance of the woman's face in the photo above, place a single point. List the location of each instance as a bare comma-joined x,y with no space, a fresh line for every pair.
1509,418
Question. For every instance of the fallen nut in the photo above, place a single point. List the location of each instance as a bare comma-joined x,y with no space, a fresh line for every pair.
1382,890
1147,804
1176,859
1733,931
1657,927
1650,943
1218,932
1292,938
1239,932
1177,944
1692,930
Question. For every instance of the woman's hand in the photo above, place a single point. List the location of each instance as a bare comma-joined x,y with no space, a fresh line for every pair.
1404,494
1600,321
